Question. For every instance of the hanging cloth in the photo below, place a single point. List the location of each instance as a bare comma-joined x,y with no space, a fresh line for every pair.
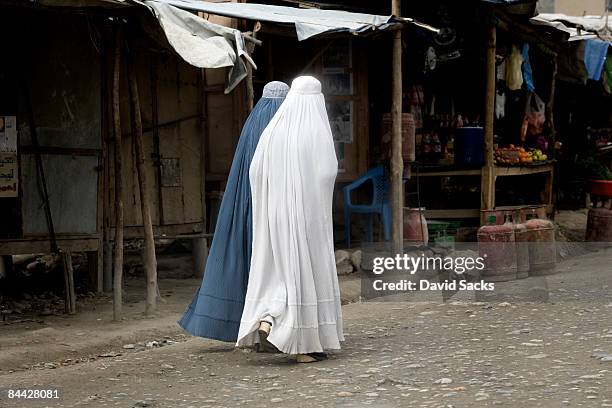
527,71
293,283
216,309
514,75
608,74
595,53
500,94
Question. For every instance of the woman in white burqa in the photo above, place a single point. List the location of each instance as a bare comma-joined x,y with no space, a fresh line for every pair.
292,297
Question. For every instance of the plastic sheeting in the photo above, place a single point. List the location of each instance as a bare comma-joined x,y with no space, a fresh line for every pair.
578,28
308,22
527,71
203,44
595,53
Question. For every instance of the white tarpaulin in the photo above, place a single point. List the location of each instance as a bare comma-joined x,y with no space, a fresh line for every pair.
201,43
307,22
579,28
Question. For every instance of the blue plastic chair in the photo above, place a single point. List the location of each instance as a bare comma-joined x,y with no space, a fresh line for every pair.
380,204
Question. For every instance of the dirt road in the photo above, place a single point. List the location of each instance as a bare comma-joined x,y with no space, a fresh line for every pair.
503,352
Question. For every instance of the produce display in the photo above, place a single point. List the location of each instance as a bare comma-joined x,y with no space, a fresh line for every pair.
514,156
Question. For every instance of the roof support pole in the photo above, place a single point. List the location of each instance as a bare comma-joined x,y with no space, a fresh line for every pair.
249,82
397,164
118,255
149,260
488,172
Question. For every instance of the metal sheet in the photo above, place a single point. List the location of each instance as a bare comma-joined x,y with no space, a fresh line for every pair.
72,182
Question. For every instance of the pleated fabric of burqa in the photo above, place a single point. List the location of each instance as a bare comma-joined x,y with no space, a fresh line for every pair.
293,283
216,309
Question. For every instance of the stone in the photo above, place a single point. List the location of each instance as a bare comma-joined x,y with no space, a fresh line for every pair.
344,394
537,356
129,346
342,256
110,354
327,381
443,381
46,312
356,259
344,268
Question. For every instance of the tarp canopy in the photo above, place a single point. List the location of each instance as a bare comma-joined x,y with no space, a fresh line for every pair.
203,44
579,28
308,22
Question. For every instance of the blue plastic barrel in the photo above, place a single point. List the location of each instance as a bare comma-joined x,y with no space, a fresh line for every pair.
469,146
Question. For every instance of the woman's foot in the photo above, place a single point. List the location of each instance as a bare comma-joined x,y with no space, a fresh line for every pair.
311,357
264,330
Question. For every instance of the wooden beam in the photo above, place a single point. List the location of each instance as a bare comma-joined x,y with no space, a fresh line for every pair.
397,164
149,260
118,255
41,245
488,171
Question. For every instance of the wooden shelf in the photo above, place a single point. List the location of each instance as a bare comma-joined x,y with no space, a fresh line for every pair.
501,171
450,173
498,171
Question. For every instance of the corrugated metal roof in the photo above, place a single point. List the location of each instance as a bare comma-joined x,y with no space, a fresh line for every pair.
308,22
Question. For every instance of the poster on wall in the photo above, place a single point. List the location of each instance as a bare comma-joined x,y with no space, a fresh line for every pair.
336,59
337,78
8,134
9,175
340,115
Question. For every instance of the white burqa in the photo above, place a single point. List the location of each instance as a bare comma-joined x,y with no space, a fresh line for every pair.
293,282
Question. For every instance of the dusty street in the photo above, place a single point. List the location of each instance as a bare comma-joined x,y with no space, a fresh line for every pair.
503,352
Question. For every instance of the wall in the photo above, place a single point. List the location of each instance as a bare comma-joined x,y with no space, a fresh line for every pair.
48,68
173,138
573,7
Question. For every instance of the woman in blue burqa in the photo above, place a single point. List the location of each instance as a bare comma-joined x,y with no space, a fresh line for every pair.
216,309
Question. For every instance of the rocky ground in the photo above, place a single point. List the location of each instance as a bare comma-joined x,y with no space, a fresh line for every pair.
511,350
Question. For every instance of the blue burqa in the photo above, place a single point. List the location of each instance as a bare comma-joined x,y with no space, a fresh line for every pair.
216,309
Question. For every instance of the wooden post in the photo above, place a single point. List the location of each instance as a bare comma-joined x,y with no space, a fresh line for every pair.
549,191
118,255
488,171
70,295
550,117
249,82
397,163
149,260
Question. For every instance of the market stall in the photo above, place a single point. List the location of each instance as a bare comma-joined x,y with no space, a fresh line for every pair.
478,103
